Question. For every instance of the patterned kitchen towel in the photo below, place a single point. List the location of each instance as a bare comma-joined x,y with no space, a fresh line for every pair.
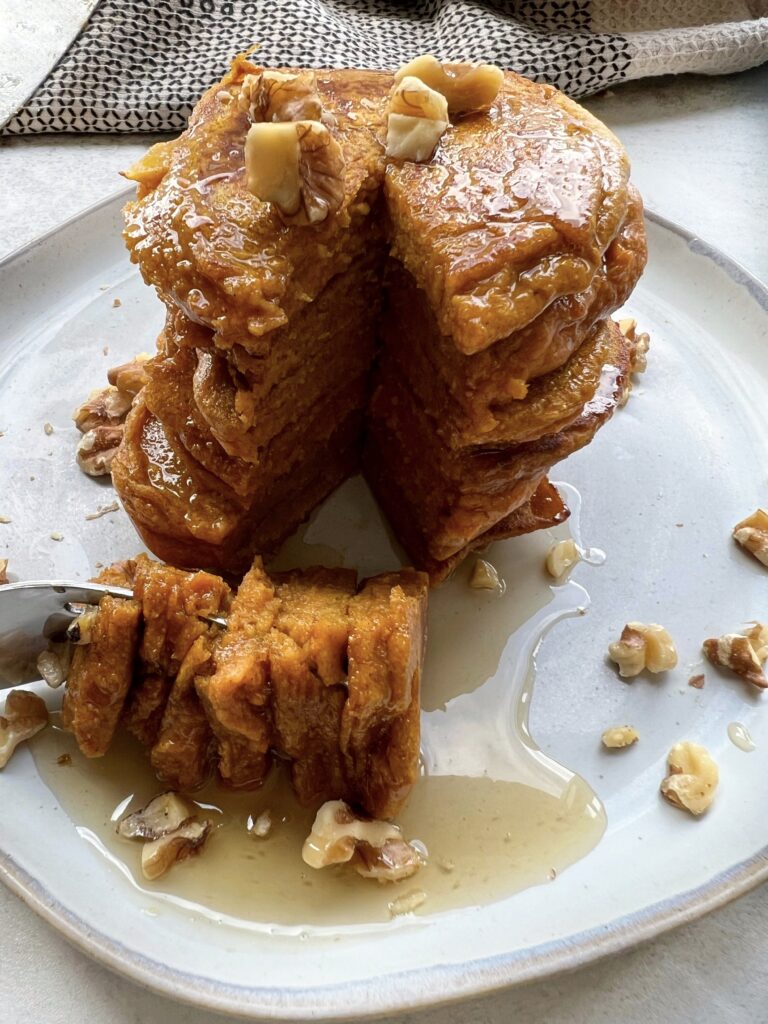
139,65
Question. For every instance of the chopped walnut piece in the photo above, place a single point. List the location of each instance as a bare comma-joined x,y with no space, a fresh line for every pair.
735,652
697,682
159,855
640,342
53,664
757,635
298,166
407,903
466,87
25,714
692,778
98,448
752,534
104,407
163,814
80,629
561,556
619,736
376,849
261,826
3,571
130,377
276,96
414,98
643,646
485,576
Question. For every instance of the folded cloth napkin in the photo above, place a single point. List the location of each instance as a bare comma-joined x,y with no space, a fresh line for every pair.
139,65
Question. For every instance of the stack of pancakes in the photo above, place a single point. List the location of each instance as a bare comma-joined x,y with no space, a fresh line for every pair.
311,668
447,328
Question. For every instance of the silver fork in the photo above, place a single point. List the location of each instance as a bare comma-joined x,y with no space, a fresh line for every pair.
34,613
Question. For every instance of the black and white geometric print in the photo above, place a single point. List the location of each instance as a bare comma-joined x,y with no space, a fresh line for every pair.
140,65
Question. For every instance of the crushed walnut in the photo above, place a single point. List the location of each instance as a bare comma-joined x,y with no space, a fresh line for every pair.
638,359
692,778
298,166
735,652
406,903
261,826
643,646
561,556
159,855
101,418
467,88
752,534
25,714
485,576
98,448
757,634
697,681
3,571
619,736
80,630
376,849
104,407
163,814
53,664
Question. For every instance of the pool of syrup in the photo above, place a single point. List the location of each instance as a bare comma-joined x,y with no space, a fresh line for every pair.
495,814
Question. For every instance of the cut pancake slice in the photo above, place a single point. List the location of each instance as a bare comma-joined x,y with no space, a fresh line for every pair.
380,721
139,666
235,689
163,710
102,671
308,674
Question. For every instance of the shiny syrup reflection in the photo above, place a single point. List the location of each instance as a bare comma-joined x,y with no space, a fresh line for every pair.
495,813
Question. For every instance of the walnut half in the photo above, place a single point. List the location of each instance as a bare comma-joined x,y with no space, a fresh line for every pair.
692,779
298,166
376,849
643,646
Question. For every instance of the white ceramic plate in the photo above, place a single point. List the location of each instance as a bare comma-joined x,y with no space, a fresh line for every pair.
662,486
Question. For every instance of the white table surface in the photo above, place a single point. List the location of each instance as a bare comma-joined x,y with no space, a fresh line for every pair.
699,149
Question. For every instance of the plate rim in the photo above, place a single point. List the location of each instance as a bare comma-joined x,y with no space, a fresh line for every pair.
419,988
